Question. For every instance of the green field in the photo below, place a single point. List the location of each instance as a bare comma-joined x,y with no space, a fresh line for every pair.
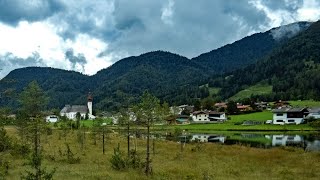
258,89
305,103
257,116
231,125
214,91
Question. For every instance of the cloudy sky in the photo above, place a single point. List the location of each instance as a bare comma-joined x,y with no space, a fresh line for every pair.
88,35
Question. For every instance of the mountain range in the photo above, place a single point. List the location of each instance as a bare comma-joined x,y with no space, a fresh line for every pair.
179,80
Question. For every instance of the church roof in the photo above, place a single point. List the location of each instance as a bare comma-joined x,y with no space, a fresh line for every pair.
75,108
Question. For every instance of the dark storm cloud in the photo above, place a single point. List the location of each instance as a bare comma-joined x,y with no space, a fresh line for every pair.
75,59
10,62
139,26
195,28
13,11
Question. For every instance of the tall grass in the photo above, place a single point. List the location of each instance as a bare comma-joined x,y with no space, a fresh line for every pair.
196,161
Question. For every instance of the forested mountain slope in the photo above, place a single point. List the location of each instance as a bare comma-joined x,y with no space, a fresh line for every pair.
61,86
249,49
293,70
168,76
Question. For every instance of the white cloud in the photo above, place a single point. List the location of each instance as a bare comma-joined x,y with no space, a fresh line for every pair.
167,13
309,11
42,37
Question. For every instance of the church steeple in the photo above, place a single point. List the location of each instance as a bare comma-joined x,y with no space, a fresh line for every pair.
90,99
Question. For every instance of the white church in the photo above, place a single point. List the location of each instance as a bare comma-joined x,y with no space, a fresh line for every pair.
70,111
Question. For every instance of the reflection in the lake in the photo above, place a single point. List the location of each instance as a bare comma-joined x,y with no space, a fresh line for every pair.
308,142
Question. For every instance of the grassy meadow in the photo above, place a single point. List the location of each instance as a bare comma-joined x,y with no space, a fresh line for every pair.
196,161
257,89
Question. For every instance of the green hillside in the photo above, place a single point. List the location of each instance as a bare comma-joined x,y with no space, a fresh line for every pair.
259,89
293,70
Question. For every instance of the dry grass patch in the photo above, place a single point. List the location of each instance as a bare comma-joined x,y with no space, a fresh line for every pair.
196,161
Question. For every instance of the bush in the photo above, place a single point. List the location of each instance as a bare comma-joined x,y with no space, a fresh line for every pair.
121,162
69,156
117,160
4,168
5,143
134,161
20,149
315,124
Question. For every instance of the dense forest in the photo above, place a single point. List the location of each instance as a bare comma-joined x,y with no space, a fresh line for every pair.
285,63
249,49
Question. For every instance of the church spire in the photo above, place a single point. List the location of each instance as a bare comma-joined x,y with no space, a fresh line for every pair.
90,98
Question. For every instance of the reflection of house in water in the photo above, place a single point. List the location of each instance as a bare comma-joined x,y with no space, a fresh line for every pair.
208,138
286,140
313,146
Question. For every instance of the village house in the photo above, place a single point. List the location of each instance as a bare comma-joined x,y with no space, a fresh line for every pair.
263,105
52,118
289,115
314,113
281,104
243,108
70,111
208,117
221,105
182,119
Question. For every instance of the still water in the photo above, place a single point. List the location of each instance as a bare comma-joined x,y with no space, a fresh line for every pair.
306,141
309,142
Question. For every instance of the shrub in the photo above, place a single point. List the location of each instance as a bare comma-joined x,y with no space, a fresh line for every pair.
134,161
315,124
69,156
4,168
20,149
5,143
117,160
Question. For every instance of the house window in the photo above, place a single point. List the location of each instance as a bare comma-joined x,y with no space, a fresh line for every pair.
290,120
279,120
290,138
279,114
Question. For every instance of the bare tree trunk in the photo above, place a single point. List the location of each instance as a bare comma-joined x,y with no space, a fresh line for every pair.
103,131
153,146
148,150
37,151
128,137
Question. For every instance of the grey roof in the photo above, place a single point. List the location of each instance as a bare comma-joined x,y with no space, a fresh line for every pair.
75,108
215,112
285,110
314,110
